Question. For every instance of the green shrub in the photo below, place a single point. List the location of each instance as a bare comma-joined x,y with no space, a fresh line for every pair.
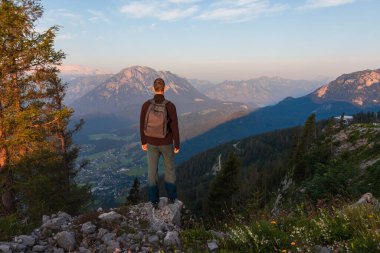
11,226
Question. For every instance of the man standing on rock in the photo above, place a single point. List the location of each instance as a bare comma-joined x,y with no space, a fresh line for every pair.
158,131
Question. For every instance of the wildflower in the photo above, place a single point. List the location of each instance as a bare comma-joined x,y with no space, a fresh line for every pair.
293,243
283,251
273,222
370,216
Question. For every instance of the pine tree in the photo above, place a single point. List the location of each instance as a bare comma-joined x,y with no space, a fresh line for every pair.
224,187
33,118
307,138
134,193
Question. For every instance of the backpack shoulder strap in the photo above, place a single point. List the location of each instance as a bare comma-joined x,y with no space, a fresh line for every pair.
152,101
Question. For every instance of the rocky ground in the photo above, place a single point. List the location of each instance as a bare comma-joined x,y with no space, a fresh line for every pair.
138,228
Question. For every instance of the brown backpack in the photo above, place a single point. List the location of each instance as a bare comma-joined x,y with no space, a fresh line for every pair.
156,120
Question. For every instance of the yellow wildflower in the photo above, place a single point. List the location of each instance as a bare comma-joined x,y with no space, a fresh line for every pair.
293,243
283,251
273,222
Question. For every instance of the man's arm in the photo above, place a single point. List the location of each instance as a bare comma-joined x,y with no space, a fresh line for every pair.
174,124
142,123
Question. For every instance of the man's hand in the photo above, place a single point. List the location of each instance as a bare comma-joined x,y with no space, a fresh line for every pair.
176,150
144,147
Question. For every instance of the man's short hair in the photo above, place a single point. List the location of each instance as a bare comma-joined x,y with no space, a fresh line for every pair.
159,85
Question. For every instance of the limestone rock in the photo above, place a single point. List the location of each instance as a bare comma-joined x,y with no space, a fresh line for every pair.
172,239
88,228
153,239
26,240
111,217
5,248
58,250
84,250
38,248
66,240
54,223
212,245
368,198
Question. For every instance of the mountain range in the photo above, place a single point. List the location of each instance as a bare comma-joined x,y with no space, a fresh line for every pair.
122,95
337,97
262,91
77,86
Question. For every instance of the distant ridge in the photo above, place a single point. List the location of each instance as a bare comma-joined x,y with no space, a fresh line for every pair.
262,91
333,99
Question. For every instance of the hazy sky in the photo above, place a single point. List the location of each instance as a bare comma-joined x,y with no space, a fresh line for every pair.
218,40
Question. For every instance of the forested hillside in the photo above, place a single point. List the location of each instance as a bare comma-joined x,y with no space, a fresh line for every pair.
319,161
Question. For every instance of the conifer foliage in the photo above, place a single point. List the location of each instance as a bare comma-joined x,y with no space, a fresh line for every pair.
134,193
306,140
222,193
37,157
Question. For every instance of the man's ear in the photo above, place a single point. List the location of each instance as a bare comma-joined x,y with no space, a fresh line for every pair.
166,88
153,89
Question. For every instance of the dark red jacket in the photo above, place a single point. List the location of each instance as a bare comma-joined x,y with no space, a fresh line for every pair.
173,132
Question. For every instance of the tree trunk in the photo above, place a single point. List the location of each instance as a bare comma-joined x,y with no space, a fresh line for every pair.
8,196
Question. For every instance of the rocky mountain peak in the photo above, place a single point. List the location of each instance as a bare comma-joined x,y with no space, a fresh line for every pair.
361,88
136,72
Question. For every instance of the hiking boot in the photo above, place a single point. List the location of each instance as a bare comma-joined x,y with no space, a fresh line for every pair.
171,201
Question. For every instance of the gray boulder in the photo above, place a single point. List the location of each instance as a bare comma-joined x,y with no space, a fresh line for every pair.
84,250
112,246
172,239
170,213
16,247
102,232
39,248
5,248
65,216
58,250
108,237
88,228
26,240
153,239
66,240
368,198
111,217
212,245
54,223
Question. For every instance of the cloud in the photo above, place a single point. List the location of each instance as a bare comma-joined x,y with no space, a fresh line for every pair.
223,10
240,10
317,4
178,13
97,16
162,10
183,1
139,9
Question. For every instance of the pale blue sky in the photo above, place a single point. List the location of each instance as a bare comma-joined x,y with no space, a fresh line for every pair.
218,40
